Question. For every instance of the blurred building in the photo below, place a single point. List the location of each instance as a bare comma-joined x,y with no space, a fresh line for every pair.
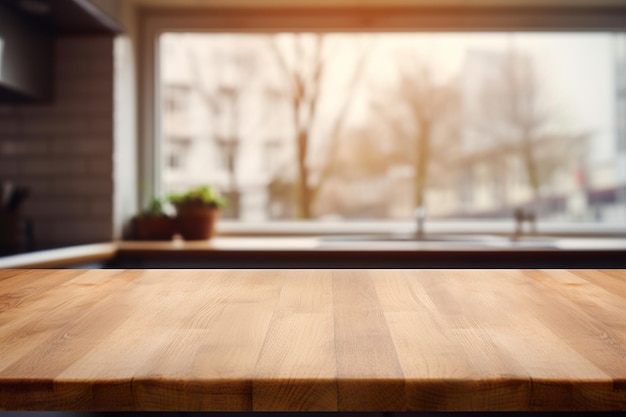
221,125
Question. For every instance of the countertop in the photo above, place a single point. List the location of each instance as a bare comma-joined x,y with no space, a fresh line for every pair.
353,251
239,340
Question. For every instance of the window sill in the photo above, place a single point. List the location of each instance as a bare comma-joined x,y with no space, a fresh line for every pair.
434,227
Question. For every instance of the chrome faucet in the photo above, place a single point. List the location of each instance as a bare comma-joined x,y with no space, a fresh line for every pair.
420,218
522,216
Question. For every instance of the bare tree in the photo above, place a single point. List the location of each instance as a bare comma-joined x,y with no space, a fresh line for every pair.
418,109
519,122
304,77
362,162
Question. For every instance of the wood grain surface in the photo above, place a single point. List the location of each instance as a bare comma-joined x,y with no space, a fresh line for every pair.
313,340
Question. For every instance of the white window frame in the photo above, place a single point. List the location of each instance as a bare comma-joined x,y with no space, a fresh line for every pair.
155,21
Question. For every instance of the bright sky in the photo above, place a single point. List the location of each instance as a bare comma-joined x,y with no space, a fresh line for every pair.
576,69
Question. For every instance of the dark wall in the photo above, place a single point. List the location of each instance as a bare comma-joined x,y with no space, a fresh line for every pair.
63,150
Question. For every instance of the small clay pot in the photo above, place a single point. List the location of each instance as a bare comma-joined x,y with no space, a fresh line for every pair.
195,222
154,227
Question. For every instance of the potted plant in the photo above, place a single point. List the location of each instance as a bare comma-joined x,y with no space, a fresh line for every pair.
197,211
153,223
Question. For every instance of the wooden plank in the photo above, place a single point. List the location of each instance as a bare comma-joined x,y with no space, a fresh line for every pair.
19,290
448,358
398,290
600,304
370,375
48,318
611,280
148,330
11,279
575,343
67,335
297,367
9,273
227,328
223,353
576,328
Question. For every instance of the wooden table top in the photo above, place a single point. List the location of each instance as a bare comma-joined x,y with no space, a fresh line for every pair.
313,340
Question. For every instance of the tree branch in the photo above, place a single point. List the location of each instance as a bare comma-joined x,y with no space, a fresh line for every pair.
331,160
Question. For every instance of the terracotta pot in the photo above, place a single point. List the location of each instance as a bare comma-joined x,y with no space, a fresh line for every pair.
196,222
154,228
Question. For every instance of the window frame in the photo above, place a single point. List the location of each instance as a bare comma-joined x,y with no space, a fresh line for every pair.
155,21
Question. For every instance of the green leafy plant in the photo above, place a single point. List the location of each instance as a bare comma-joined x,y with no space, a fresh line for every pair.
204,196
155,208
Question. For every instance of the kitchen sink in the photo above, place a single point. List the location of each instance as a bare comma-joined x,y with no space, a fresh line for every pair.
485,241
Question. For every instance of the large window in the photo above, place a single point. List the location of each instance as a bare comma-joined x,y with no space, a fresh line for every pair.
361,116
369,126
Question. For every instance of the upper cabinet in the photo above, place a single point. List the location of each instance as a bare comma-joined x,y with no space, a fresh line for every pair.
25,59
27,32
